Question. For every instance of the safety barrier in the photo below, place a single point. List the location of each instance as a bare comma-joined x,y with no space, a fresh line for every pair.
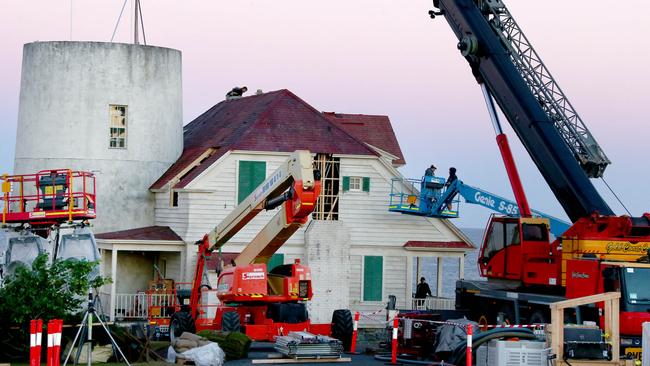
393,353
467,328
35,337
355,329
54,329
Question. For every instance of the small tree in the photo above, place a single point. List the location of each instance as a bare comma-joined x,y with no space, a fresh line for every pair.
47,290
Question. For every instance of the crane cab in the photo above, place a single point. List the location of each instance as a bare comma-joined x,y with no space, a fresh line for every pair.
518,248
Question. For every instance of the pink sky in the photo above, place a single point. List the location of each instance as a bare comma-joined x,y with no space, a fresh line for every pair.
381,57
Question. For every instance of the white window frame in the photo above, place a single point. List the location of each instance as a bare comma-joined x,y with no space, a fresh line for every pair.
111,125
355,184
173,193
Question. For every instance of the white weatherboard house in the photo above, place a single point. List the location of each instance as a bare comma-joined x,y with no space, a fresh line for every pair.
358,251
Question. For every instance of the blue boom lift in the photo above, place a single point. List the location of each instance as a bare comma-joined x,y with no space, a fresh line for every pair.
435,199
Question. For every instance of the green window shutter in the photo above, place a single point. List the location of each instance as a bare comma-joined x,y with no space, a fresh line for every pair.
366,184
251,175
346,184
276,260
372,278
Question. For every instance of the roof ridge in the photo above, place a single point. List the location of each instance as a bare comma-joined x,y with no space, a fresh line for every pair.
356,114
224,101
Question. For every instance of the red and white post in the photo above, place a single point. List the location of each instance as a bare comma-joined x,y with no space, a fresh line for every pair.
35,336
468,355
355,328
393,360
54,329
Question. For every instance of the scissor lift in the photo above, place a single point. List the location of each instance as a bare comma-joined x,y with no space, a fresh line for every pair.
48,197
46,212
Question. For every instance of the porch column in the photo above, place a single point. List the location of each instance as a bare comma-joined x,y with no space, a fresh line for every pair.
461,267
439,279
114,281
409,279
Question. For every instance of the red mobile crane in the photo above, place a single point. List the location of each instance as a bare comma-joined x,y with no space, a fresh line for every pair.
601,251
263,304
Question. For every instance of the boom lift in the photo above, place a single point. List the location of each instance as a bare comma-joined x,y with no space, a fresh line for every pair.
261,304
600,251
436,199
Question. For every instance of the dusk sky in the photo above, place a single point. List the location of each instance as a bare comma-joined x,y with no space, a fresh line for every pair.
380,57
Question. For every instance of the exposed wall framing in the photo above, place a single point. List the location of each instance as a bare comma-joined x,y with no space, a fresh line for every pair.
327,206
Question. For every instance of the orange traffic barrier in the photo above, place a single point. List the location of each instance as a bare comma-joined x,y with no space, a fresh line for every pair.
355,327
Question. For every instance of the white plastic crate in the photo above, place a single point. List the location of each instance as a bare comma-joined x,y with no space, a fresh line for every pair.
512,353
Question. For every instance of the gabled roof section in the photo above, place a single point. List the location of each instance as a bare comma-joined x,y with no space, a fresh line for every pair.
374,130
277,121
164,233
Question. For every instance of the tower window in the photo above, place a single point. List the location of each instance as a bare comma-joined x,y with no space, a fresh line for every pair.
117,126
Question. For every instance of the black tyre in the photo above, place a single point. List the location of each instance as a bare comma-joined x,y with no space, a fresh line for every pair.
230,322
342,327
508,313
180,322
538,317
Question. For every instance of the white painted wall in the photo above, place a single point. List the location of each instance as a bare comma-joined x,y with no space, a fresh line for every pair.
367,215
63,120
370,229
327,246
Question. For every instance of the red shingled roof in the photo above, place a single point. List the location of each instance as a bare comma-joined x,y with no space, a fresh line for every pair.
374,130
142,233
274,121
438,244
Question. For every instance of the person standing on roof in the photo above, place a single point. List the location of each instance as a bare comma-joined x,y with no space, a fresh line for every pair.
430,171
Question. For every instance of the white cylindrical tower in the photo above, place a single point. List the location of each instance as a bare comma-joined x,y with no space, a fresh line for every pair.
114,109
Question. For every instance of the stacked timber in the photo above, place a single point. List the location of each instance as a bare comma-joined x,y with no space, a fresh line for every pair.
306,345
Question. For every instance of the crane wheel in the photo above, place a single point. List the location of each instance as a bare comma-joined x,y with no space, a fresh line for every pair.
508,314
230,322
180,322
342,327
538,317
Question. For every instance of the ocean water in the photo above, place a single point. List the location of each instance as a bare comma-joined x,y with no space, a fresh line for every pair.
429,267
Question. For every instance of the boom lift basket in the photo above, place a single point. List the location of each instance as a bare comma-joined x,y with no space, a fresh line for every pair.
48,197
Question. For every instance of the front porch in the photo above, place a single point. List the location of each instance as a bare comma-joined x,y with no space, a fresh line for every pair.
133,259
